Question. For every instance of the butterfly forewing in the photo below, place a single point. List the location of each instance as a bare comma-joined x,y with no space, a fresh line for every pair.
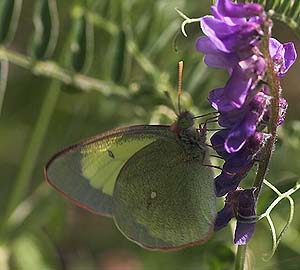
86,172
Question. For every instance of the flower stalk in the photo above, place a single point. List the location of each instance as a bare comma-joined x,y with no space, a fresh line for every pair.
240,260
238,39
273,82
274,86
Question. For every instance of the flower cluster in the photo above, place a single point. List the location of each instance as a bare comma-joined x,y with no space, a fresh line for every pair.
232,41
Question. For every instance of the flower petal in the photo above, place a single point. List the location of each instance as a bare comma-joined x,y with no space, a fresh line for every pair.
290,56
214,57
239,163
219,101
230,38
274,44
223,217
246,208
234,94
283,55
241,132
225,183
205,45
211,27
230,9
217,141
243,233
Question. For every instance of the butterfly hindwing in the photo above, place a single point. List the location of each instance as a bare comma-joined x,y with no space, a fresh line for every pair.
163,198
86,172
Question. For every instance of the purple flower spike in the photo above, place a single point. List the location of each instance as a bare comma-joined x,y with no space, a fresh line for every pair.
241,204
283,55
232,41
229,9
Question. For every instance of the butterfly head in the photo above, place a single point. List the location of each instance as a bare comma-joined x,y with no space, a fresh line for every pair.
185,121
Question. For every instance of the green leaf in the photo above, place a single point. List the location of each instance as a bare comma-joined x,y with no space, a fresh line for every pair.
283,7
270,4
9,17
118,57
294,10
82,43
46,26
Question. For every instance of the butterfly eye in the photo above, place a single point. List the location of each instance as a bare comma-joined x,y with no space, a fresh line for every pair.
185,120
184,123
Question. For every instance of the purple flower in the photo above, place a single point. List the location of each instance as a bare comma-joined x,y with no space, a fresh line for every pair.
229,34
246,126
238,164
283,55
240,204
225,183
234,94
241,132
231,38
218,140
213,56
258,105
240,84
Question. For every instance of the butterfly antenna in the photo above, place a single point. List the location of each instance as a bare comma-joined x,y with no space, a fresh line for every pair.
179,91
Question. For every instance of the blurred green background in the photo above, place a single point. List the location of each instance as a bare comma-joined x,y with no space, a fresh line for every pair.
128,51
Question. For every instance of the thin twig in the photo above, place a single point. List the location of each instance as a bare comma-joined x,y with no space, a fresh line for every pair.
52,70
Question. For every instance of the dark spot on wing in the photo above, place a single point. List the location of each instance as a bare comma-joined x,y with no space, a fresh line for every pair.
111,154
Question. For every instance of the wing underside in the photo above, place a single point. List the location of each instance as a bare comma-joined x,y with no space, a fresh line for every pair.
86,172
164,199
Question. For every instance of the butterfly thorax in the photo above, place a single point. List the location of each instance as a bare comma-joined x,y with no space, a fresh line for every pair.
191,139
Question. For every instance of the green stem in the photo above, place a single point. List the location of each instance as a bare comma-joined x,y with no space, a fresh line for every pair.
54,71
31,155
240,258
274,86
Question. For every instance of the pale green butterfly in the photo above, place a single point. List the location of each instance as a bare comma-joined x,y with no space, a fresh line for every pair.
151,179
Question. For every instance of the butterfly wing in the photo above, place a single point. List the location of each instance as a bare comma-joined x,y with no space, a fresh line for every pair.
86,172
164,199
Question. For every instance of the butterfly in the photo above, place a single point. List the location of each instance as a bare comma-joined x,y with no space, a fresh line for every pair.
151,179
